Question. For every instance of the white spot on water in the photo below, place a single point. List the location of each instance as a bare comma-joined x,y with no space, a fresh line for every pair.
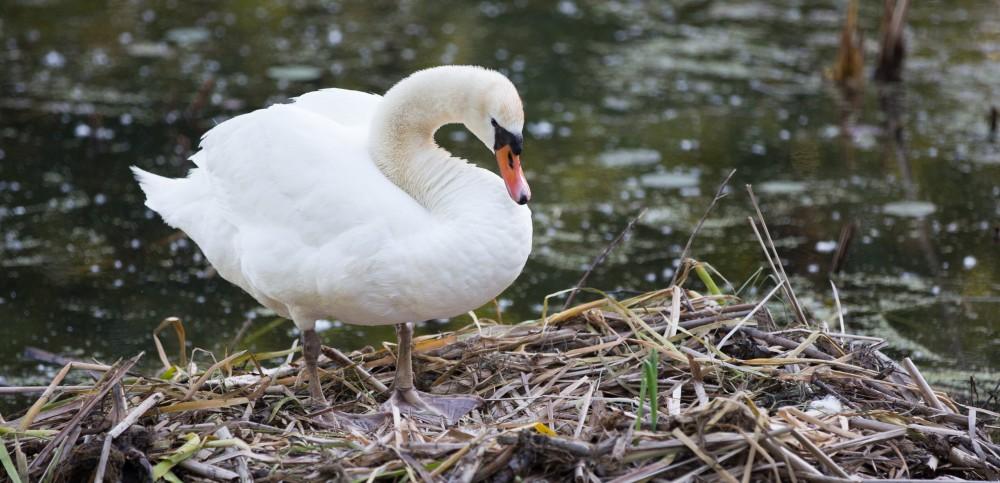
568,8
909,209
188,35
781,187
334,36
826,246
629,157
541,129
149,49
673,180
54,60
294,73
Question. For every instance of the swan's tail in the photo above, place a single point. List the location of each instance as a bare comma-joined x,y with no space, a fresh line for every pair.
167,196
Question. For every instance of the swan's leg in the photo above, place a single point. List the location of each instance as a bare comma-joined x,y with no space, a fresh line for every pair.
310,352
335,419
416,403
403,380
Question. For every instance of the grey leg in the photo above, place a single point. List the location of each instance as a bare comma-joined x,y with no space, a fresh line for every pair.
403,381
416,403
310,352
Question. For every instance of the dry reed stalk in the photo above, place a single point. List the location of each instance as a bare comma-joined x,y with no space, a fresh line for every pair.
719,194
600,257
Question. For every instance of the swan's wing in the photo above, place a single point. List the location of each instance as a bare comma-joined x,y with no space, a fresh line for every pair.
306,200
289,169
346,107
287,198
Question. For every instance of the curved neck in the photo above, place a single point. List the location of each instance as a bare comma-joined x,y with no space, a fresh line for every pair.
402,130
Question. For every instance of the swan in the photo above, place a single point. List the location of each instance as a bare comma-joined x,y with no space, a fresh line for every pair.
340,205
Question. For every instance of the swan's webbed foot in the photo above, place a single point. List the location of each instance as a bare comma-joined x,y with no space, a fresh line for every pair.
426,406
404,397
421,404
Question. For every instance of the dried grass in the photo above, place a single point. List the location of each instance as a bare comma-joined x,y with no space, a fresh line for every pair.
668,385
570,396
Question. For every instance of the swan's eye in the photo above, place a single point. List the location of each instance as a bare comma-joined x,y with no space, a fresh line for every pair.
503,137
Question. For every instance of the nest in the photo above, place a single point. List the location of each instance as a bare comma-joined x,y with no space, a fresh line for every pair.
667,385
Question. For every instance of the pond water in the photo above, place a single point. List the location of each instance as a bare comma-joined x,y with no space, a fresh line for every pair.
629,106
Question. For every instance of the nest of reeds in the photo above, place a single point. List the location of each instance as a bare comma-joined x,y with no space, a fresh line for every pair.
668,385
671,384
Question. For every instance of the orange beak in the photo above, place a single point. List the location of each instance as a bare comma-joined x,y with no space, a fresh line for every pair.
513,176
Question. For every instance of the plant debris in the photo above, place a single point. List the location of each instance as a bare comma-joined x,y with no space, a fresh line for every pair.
668,385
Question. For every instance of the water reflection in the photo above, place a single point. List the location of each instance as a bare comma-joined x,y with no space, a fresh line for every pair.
630,106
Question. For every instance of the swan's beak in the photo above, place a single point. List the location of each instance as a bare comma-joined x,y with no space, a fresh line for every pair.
513,176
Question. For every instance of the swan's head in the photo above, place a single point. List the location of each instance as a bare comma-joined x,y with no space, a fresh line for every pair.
507,148
484,100
499,125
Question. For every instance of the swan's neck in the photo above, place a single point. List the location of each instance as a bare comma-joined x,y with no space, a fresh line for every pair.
402,131
478,239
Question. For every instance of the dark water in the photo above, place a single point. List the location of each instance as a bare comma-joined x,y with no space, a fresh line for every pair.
629,106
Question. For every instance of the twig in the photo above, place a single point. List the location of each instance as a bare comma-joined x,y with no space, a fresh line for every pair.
600,258
135,414
749,315
105,385
241,462
179,330
585,408
719,194
925,389
41,355
777,266
820,455
707,458
207,470
843,245
840,309
29,417
42,389
785,343
794,460
341,358
208,372
102,463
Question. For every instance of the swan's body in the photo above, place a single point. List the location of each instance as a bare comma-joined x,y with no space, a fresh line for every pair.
341,205
288,203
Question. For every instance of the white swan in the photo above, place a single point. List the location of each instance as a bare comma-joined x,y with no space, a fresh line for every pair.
341,205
